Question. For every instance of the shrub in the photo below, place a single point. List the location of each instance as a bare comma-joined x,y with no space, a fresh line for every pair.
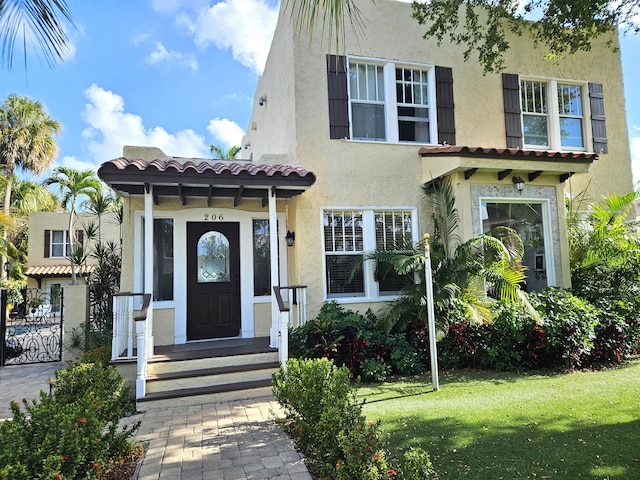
417,464
325,418
403,356
461,345
71,434
569,323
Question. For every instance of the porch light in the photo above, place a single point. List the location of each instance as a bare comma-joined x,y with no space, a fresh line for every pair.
519,183
290,237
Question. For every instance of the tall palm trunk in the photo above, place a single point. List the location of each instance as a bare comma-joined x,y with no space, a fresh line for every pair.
6,209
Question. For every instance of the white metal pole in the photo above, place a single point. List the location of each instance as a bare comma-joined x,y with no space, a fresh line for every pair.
433,353
275,281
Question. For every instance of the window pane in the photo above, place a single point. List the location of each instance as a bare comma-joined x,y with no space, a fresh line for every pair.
213,258
368,121
57,250
261,258
534,96
571,132
527,220
570,100
393,231
163,259
535,130
413,124
344,277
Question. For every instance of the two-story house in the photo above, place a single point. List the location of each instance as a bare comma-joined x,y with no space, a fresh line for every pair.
334,158
49,267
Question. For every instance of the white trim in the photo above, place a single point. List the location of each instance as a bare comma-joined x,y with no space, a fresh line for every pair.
371,293
179,303
390,100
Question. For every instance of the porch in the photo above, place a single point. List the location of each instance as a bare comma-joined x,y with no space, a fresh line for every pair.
201,372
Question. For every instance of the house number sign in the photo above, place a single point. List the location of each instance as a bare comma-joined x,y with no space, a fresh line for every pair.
213,217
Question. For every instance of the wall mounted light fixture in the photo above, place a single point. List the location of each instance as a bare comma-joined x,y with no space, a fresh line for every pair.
519,183
290,237
262,100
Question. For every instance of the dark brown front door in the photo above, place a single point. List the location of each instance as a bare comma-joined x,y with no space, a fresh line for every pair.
213,280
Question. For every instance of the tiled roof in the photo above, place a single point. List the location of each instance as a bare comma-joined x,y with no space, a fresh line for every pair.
177,165
507,153
56,270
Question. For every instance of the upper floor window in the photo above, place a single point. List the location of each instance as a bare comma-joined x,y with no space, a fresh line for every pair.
57,243
552,114
348,234
390,102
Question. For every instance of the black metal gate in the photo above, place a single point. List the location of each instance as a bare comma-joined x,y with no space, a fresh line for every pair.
32,330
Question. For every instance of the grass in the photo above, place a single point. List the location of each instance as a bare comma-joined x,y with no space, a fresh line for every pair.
488,425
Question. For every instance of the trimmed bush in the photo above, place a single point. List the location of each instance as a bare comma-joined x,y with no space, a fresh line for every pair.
324,417
71,434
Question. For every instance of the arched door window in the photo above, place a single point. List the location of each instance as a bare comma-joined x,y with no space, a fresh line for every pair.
213,258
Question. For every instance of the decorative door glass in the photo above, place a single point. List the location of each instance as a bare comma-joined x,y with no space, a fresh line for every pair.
213,258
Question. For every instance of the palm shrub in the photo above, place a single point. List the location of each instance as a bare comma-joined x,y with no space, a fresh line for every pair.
466,275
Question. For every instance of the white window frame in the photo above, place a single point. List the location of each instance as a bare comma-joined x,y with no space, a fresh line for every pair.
390,101
371,287
553,116
546,228
65,245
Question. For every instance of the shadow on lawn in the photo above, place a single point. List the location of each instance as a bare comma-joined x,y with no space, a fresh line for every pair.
521,448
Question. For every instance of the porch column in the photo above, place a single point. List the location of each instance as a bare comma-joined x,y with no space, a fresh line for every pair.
273,254
148,261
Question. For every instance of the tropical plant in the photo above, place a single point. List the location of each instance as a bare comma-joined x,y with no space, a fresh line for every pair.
26,142
222,154
41,21
73,184
465,274
604,247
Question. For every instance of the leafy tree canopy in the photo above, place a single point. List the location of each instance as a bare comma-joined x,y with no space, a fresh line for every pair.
564,27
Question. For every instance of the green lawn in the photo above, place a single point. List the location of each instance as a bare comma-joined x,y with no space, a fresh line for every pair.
488,425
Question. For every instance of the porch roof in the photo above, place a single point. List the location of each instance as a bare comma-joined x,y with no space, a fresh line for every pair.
197,177
45,271
446,159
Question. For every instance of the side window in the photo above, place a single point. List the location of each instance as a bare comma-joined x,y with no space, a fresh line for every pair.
393,232
570,115
163,259
412,97
261,258
535,113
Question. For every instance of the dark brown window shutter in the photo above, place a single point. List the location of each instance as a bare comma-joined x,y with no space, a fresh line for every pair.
47,243
445,106
598,119
512,112
338,98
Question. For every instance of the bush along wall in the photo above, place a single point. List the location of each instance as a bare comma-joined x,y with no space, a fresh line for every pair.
570,333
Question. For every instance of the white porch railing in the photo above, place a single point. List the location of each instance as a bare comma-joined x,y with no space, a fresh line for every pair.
293,313
123,334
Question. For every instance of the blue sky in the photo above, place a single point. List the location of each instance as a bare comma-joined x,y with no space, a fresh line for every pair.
176,74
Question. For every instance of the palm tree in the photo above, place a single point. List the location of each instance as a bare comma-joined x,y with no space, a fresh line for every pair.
26,143
464,273
41,20
220,153
73,184
98,204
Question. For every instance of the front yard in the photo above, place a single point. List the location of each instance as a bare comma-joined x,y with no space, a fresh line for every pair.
490,425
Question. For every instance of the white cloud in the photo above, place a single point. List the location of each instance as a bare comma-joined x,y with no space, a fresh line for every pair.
73,162
111,127
171,58
225,132
243,26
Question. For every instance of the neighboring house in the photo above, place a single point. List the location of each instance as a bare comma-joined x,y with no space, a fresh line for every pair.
48,266
336,153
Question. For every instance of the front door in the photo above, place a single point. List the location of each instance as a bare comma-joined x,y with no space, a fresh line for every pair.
213,280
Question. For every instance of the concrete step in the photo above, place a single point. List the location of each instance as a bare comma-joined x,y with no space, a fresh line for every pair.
159,365
205,395
185,380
